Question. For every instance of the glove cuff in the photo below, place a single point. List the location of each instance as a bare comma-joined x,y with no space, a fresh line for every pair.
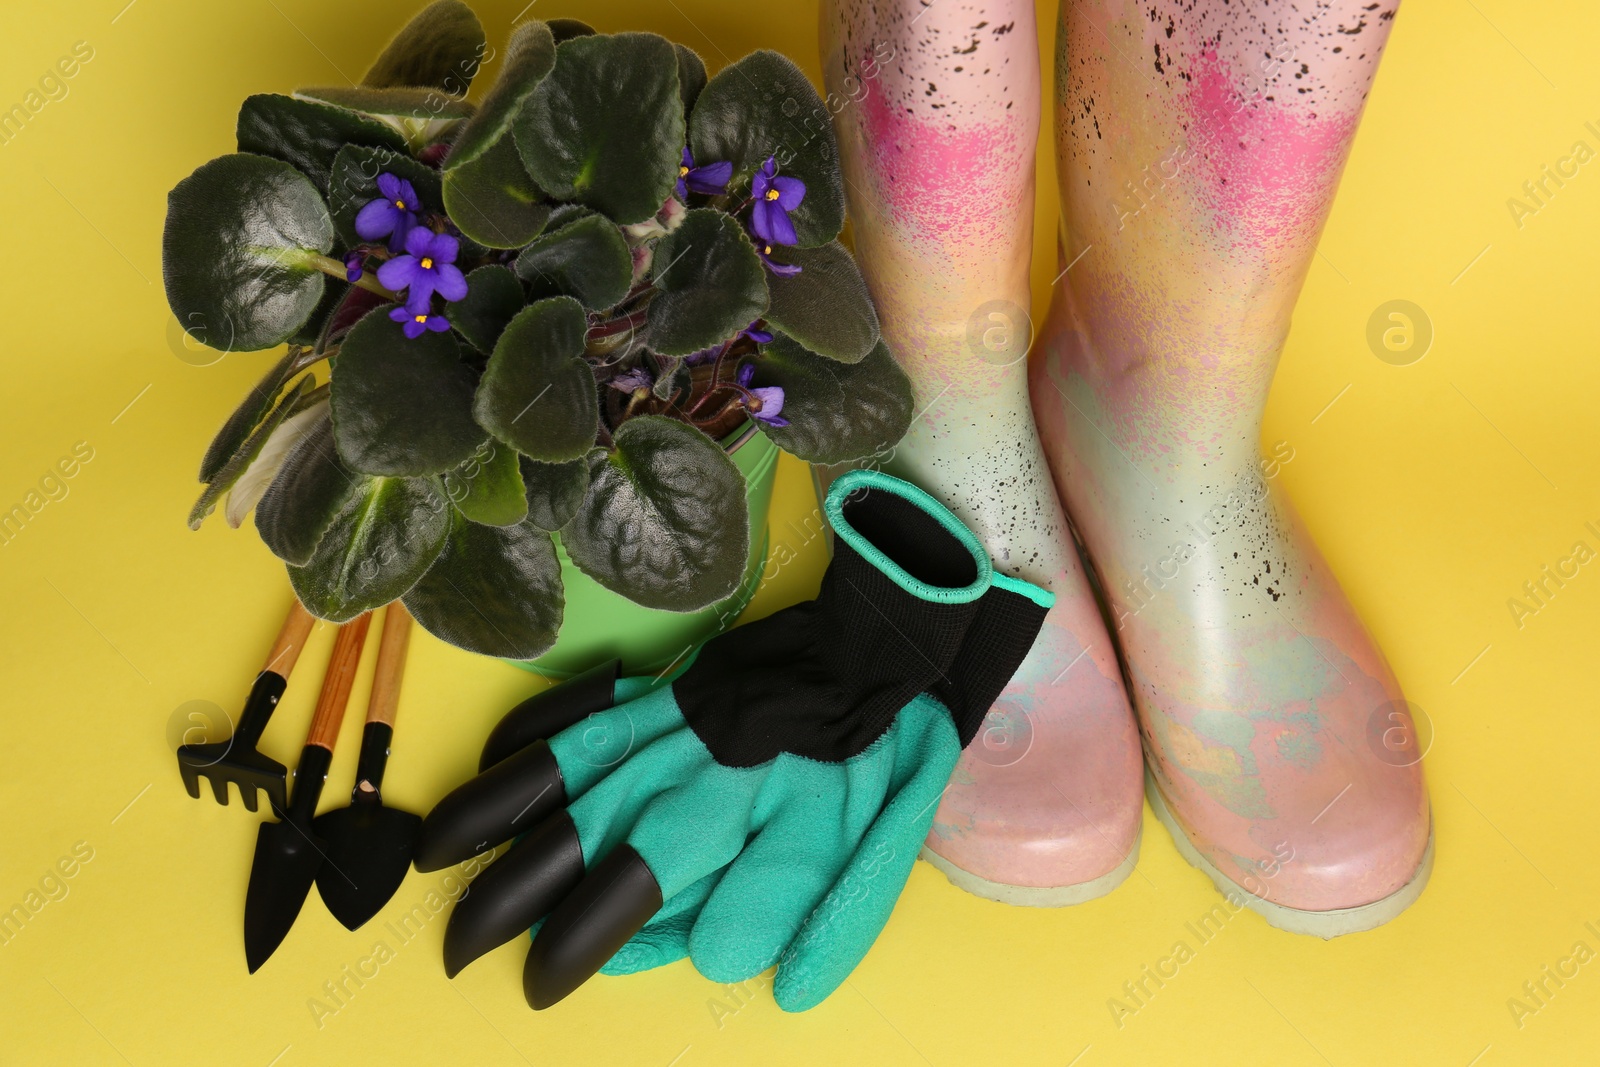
906,582
896,546
916,543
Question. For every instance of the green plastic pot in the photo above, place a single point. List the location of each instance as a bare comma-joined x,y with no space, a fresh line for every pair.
599,625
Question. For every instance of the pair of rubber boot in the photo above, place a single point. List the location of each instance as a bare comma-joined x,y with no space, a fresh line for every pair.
1198,148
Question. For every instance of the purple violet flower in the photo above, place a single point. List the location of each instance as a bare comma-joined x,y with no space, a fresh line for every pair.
775,197
708,355
710,179
428,267
768,399
629,381
393,215
418,318
782,270
352,266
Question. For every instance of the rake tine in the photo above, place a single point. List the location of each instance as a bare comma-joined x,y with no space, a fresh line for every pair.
238,759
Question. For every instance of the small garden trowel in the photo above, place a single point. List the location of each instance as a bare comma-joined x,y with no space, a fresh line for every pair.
368,845
287,852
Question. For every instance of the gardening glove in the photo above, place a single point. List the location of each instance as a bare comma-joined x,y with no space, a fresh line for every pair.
767,805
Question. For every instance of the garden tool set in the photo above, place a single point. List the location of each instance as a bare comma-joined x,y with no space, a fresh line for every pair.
358,854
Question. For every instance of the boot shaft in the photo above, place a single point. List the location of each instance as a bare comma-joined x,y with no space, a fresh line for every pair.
1197,152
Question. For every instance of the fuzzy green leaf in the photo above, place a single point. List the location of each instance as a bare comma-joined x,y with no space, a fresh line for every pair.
564,215
566,29
421,116
537,394
587,259
308,135
442,47
664,522
530,56
826,306
494,591
762,106
494,296
401,405
837,412
606,127
554,491
493,200
672,374
711,283
311,488
691,76
236,252
397,103
488,488
381,542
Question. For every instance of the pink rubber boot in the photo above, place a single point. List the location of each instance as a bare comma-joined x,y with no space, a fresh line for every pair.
1199,147
937,111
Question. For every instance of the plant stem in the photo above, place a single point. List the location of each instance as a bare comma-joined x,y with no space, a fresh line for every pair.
623,324
716,375
335,268
728,405
716,368
310,358
711,390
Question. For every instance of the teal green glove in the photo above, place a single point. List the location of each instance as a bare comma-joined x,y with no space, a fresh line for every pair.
767,806
794,858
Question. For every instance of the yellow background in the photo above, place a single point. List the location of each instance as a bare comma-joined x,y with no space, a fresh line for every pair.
1436,490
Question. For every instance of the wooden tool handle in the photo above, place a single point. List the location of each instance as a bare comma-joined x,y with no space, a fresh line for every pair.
391,664
337,682
291,640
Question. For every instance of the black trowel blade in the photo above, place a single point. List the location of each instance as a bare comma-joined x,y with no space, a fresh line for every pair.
286,863
369,851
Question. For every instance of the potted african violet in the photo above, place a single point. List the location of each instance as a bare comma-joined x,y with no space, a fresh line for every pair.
528,340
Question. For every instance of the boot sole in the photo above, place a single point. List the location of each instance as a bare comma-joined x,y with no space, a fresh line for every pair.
1324,924
1031,896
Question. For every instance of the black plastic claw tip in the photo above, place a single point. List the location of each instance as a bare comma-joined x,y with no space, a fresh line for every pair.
610,905
516,891
510,798
550,711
